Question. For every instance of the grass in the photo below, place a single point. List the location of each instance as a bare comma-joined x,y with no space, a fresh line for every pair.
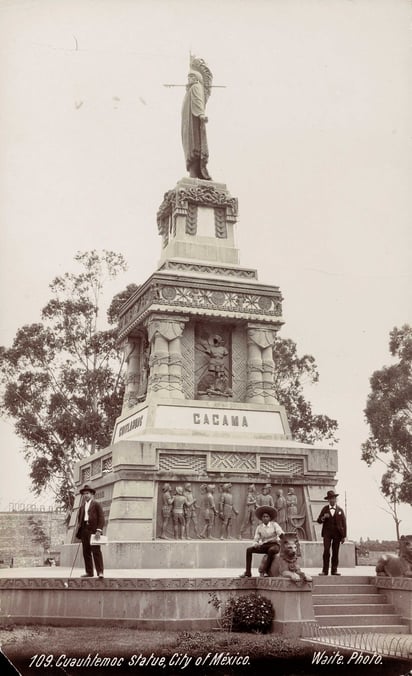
27,641
267,653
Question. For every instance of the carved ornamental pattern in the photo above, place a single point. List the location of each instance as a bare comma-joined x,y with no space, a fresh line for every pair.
107,464
191,463
281,466
233,462
209,269
152,584
86,474
242,305
239,352
188,358
96,467
179,201
403,583
222,300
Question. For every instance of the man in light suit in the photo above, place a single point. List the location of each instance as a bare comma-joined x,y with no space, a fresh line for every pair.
333,521
90,521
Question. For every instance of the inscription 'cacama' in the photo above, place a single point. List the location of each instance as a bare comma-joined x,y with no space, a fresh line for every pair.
220,420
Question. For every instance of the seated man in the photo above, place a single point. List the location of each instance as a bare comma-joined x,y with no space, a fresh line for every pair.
266,540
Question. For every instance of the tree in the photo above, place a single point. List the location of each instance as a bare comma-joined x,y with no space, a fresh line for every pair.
388,413
291,374
392,501
61,377
63,386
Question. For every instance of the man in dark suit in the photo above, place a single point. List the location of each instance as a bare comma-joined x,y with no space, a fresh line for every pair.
333,521
90,522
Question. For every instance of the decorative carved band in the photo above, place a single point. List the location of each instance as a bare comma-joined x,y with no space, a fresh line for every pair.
191,219
220,224
209,269
154,584
86,474
182,461
233,462
222,300
281,466
177,201
256,306
404,583
96,467
107,464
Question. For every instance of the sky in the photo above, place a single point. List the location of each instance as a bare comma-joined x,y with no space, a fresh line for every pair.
312,133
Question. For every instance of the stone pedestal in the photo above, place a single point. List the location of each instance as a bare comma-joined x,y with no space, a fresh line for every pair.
200,416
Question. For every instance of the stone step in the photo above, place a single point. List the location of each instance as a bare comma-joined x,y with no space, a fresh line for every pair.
354,609
365,629
338,599
337,589
342,579
361,620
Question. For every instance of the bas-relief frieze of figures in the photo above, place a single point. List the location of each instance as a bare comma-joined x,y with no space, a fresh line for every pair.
223,510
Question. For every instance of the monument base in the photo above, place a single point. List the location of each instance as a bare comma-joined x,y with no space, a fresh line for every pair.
172,604
170,554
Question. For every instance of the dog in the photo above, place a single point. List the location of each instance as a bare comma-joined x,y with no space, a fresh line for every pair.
285,564
390,565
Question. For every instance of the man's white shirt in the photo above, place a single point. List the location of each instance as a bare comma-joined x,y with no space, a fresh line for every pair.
265,532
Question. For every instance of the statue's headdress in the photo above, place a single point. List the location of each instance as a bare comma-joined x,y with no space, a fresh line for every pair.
199,65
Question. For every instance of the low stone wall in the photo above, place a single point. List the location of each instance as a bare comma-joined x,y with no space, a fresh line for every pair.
194,554
153,604
27,538
398,592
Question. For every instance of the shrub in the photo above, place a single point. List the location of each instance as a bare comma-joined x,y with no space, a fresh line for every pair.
249,612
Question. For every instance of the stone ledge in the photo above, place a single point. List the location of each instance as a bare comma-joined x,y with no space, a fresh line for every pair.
398,592
196,554
182,604
150,584
404,583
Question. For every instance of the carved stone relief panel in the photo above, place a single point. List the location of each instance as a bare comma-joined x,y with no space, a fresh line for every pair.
219,509
213,361
239,363
136,354
188,361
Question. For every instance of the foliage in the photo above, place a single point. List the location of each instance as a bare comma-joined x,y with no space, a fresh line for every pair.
119,300
378,545
39,536
20,641
61,377
256,645
389,415
248,612
291,374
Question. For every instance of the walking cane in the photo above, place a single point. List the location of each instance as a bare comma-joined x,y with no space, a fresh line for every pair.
66,584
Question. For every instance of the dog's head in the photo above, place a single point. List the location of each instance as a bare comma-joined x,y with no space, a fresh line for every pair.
405,547
289,545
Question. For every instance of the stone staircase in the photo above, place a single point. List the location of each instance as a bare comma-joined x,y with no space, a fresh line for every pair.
352,602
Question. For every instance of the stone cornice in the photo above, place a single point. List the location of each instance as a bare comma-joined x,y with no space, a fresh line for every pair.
154,584
214,298
177,201
209,269
404,583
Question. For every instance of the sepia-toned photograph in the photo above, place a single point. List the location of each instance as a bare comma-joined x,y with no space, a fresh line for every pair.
206,337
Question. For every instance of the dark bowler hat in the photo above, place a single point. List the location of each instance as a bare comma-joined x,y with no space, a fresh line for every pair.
266,510
330,494
87,489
